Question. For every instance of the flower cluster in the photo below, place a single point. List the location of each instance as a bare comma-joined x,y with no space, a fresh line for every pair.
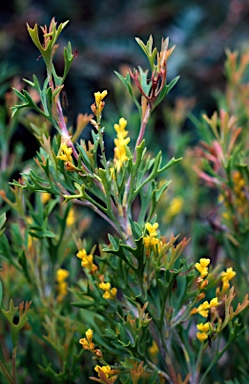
105,373
88,345
121,141
65,153
203,329
99,104
61,276
226,277
202,267
203,309
241,200
151,240
87,342
109,293
87,261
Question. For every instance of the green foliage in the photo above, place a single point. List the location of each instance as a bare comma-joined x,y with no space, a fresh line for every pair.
139,306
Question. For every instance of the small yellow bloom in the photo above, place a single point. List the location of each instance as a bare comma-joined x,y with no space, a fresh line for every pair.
106,369
175,207
87,261
228,275
151,228
153,349
99,96
110,293
81,254
203,327
70,218
99,104
120,155
61,275
225,286
89,334
201,336
202,267
150,241
105,286
120,127
65,153
203,309
214,302
45,197
87,343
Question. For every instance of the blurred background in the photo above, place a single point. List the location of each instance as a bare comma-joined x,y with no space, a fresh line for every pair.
102,33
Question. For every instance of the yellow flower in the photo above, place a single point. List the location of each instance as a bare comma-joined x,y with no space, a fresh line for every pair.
110,293
203,309
202,267
150,241
87,343
151,228
45,197
201,336
175,207
70,218
120,155
87,261
225,286
214,302
120,127
106,369
65,153
99,104
99,96
228,275
153,349
203,327
89,334
61,275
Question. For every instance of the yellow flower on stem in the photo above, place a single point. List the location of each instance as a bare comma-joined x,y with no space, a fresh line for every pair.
99,104
106,369
226,277
70,217
65,153
203,330
120,155
214,302
201,336
150,241
203,327
87,261
61,276
87,342
110,293
202,267
203,309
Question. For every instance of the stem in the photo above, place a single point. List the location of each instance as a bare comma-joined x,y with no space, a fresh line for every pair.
99,212
6,373
14,365
143,126
142,129
216,358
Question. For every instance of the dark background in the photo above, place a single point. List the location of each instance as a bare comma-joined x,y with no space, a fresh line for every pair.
102,32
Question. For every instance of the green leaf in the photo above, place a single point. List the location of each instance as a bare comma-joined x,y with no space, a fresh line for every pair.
2,223
1,293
